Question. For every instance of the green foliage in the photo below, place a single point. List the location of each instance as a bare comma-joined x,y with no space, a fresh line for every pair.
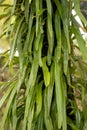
41,91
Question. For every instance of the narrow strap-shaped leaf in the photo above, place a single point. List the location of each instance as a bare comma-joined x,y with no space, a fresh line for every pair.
47,118
12,12
65,20
22,62
40,51
46,72
30,119
22,75
64,92
58,36
50,88
49,31
37,18
66,54
80,41
27,10
33,73
37,40
14,6
48,100
27,107
27,41
14,114
59,96
8,106
41,120
2,100
78,11
65,59
38,98
19,46
15,40
31,40
59,7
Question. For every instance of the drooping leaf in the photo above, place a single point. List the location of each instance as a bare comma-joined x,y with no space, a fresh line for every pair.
58,36
38,98
46,73
49,31
59,96
81,42
8,106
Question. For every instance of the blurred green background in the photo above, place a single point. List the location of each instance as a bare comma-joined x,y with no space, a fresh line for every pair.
4,41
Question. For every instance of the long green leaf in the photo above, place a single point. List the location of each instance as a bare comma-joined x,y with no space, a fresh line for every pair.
49,31
33,73
28,106
8,106
65,20
59,96
64,92
80,41
15,39
48,121
58,36
78,11
27,10
30,119
14,114
50,88
37,19
38,98
27,41
5,96
46,72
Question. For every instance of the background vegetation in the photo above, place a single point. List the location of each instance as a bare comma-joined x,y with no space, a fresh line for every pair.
47,64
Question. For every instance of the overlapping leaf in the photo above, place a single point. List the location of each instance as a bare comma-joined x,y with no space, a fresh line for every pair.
40,95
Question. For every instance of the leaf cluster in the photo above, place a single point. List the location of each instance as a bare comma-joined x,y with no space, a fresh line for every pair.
40,94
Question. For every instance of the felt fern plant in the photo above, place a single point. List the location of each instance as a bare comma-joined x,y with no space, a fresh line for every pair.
48,76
